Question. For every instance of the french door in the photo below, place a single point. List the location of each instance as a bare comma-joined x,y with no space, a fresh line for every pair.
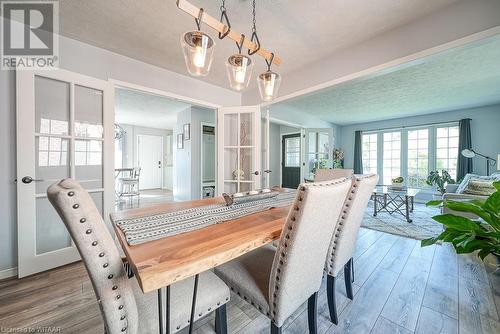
318,150
239,149
64,129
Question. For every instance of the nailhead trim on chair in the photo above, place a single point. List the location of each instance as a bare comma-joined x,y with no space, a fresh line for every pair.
347,204
101,254
293,219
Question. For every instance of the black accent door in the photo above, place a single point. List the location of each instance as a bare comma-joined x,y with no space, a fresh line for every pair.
290,161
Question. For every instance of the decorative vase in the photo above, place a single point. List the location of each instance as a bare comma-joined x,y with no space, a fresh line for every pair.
238,174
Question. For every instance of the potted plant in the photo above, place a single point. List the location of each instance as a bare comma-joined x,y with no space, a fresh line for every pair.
397,182
439,180
469,235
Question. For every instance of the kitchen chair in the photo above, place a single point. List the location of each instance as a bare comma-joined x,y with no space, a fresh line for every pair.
129,186
124,307
344,238
277,281
325,174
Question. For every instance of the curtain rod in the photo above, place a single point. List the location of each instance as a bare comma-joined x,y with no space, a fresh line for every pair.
413,126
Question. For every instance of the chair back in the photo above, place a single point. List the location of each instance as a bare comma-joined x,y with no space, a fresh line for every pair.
332,174
300,257
136,172
99,254
346,230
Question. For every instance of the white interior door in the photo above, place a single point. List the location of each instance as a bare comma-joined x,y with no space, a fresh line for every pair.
149,158
64,129
239,149
318,150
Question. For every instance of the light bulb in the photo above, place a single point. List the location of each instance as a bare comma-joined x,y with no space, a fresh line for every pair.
269,88
239,75
199,57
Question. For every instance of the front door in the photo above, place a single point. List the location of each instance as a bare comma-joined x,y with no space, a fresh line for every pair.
290,161
149,159
64,129
239,149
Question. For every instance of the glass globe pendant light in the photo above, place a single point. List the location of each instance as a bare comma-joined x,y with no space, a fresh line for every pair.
269,82
198,49
239,68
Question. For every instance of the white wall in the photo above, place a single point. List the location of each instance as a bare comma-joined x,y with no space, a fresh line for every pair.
129,148
187,161
99,63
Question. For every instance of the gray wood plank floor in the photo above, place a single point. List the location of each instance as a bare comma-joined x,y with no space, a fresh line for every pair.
399,288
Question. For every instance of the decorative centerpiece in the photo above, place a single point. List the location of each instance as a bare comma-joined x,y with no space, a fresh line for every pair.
253,195
338,158
397,182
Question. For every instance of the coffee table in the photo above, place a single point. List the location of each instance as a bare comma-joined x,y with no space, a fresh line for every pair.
394,200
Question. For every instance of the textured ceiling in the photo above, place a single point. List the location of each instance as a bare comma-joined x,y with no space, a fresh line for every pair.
144,109
301,32
459,78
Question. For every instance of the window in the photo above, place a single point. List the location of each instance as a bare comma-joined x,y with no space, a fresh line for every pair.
447,149
318,151
391,156
292,152
418,157
369,153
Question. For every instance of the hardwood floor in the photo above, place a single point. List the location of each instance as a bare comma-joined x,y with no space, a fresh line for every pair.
399,288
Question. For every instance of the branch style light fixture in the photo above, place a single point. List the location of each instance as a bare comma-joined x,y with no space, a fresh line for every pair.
198,49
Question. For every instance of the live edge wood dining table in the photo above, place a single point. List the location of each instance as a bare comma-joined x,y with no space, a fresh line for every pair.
159,263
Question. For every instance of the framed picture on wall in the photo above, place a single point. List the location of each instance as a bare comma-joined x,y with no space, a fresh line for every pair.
180,141
187,131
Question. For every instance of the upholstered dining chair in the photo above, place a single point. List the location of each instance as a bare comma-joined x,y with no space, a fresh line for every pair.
325,174
277,281
344,238
124,307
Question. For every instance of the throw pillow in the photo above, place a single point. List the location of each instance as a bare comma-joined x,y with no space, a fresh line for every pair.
479,188
470,177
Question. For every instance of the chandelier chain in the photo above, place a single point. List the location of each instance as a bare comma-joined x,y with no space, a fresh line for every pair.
223,6
254,28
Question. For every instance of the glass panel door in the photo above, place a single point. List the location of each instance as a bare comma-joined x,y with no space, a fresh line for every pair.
239,141
60,134
318,152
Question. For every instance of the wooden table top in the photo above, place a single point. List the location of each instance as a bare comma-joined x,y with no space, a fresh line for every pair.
162,262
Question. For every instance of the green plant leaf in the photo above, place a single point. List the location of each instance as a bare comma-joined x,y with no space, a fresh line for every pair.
496,184
468,207
458,223
493,203
484,253
428,242
434,202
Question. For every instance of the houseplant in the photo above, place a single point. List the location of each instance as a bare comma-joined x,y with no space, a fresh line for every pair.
439,180
469,235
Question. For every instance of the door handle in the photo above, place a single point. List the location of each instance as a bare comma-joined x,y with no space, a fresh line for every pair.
267,171
29,179
256,172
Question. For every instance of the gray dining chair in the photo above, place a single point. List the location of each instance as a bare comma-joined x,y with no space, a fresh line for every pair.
277,281
124,307
344,238
325,174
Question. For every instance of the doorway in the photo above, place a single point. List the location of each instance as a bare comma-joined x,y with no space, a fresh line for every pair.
290,161
149,157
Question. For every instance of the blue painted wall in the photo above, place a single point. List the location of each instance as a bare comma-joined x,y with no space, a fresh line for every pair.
485,127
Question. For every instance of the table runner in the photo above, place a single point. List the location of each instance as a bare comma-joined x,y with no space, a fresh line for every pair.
141,229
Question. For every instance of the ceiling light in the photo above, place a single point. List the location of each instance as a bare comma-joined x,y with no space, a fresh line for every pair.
198,49
239,69
269,82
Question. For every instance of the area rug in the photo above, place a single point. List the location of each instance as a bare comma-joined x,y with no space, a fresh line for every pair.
422,226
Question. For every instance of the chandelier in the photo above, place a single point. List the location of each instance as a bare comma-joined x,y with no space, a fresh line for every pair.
198,50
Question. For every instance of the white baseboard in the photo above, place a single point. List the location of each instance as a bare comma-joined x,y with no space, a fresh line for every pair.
7,273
